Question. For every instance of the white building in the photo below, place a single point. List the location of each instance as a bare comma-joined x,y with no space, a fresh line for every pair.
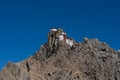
61,37
53,29
69,42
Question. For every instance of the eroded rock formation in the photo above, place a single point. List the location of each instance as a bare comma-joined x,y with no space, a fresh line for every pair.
88,60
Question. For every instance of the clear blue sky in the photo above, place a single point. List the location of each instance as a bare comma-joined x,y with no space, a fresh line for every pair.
24,24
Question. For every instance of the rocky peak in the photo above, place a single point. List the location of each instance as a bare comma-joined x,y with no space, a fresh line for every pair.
58,60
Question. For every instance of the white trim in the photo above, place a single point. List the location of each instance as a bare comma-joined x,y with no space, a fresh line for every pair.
63,33
61,37
69,42
53,29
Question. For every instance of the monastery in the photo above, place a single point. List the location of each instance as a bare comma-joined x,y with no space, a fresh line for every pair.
57,34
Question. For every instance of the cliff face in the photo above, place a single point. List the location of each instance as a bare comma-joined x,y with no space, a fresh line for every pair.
88,60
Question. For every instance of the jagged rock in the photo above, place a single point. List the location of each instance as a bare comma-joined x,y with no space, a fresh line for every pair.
118,52
93,60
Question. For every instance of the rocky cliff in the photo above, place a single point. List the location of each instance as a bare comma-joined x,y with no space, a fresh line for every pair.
87,60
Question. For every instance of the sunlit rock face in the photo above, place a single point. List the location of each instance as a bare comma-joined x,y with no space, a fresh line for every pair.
57,60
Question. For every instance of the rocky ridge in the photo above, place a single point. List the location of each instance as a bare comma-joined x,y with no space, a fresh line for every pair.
87,60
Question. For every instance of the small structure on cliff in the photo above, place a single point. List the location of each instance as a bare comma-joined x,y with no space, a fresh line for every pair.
56,34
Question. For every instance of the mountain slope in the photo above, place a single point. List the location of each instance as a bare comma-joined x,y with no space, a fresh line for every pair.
88,60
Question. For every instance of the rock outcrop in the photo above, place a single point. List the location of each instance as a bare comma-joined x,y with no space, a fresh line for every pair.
56,60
